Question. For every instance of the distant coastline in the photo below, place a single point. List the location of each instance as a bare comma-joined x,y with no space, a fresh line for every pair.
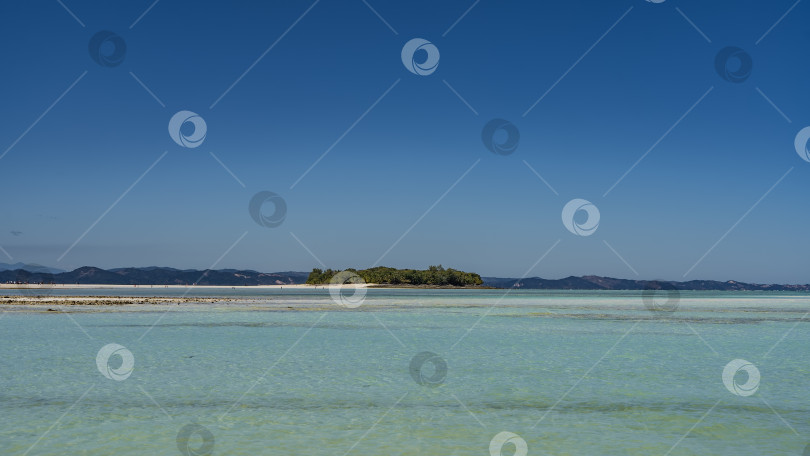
155,277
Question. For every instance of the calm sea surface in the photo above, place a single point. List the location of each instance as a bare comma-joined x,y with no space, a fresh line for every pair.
432,372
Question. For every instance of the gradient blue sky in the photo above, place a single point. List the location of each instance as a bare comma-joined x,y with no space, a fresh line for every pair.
307,91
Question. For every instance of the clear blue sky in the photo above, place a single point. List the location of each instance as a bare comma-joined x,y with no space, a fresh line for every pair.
610,108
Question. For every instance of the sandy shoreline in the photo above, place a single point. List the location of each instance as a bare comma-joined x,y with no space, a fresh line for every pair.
106,300
42,303
14,286
40,295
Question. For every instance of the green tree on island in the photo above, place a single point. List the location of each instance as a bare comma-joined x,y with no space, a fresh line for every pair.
433,275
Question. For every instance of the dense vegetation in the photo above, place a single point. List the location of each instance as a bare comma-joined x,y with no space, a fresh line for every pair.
434,275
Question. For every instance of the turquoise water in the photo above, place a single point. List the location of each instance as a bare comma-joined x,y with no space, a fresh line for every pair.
290,372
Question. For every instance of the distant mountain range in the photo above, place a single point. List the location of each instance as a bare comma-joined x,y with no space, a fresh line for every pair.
29,267
155,275
608,283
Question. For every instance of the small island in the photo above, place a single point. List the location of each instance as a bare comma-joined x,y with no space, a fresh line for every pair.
433,276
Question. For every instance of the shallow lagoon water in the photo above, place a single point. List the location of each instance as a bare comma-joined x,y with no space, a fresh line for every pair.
290,372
